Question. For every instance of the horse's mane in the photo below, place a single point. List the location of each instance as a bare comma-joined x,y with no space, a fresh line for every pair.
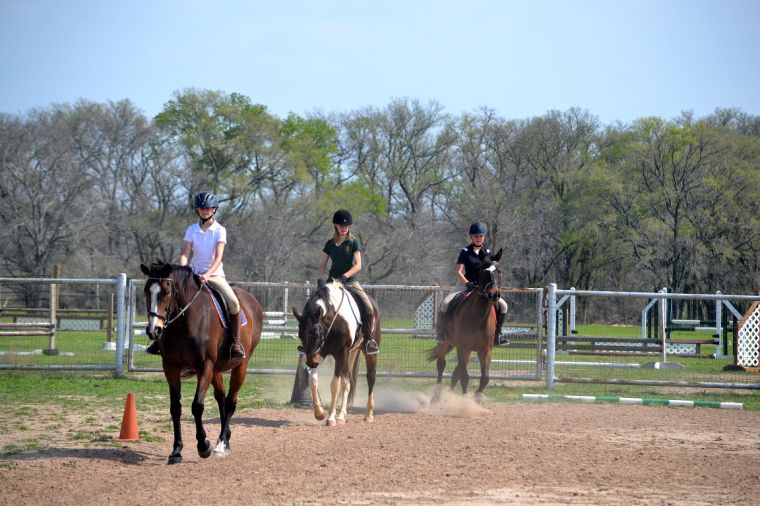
183,275
312,310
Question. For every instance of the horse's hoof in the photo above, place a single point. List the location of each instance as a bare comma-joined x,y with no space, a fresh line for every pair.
320,416
221,450
341,421
175,459
221,453
330,423
204,451
369,418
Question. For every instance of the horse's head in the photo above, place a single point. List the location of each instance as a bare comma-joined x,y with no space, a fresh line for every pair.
489,279
311,328
159,296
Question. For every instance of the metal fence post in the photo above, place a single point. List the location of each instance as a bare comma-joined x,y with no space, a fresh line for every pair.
121,285
551,334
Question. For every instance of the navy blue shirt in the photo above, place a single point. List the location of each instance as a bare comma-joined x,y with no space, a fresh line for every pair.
471,262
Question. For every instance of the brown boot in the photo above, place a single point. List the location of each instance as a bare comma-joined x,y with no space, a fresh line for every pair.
497,337
369,341
236,350
153,348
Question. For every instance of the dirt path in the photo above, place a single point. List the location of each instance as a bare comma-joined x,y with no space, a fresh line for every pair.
461,453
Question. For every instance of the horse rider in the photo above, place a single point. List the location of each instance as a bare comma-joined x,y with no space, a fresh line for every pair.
203,246
344,250
467,272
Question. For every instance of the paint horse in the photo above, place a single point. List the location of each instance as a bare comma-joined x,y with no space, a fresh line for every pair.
469,326
193,342
331,325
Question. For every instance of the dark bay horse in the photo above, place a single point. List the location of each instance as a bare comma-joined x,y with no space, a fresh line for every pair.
193,343
470,326
330,325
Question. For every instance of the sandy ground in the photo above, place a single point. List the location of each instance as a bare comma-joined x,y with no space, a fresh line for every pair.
458,452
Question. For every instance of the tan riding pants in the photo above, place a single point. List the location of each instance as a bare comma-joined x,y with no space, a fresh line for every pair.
502,304
220,283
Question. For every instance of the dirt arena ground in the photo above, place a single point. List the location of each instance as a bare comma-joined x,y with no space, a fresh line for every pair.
459,452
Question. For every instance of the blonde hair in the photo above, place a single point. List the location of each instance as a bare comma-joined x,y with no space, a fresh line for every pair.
336,235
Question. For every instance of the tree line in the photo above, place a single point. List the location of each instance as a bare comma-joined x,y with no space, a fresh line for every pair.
99,188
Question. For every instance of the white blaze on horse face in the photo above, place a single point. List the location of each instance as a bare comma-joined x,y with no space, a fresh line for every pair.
154,289
491,268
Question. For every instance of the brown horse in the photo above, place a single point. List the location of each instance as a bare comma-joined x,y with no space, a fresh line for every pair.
469,326
182,315
330,325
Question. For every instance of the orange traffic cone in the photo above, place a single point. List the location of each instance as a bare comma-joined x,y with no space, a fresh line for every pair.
129,421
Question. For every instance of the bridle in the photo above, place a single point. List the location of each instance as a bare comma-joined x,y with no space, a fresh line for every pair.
483,290
323,337
173,302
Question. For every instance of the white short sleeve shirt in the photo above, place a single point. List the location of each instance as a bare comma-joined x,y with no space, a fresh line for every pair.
204,246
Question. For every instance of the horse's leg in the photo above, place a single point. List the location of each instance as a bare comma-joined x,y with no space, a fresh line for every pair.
460,372
204,379
319,413
334,386
440,363
345,389
485,370
237,378
223,443
175,408
371,362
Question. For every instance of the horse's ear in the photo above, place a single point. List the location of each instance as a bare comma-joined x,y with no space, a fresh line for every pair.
320,283
481,254
165,270
145,270
497,256
297,314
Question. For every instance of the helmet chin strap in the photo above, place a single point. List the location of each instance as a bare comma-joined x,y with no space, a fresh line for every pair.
204,220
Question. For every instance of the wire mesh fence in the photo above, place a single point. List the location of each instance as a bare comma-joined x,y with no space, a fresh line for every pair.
690,350
52,324
407,320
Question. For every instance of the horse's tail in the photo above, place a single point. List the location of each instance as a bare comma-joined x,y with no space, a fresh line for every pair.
432,353
354,371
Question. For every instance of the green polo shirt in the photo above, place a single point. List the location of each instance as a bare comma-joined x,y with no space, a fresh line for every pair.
342,256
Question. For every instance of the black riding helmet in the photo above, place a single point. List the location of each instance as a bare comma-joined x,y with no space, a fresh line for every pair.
478,228
342,217
205,199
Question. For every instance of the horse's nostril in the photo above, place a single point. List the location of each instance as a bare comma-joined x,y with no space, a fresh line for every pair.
157,331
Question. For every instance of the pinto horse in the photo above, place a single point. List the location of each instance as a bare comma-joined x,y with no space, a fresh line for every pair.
469,326
192,340
330,325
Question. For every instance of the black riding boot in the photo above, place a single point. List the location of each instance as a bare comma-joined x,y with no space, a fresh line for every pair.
497,339
440,328
154,348
369,341
236,350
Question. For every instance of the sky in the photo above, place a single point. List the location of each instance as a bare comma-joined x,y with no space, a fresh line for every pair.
618,59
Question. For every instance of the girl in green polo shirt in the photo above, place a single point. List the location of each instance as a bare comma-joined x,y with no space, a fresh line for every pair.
345,252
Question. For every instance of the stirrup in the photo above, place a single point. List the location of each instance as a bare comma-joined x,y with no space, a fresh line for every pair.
376,349
501,340
240,354
153,348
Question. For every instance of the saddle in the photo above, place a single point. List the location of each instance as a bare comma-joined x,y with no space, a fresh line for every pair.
457,301
220,304
357,305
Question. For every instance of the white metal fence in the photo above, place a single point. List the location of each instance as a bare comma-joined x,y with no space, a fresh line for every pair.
98,324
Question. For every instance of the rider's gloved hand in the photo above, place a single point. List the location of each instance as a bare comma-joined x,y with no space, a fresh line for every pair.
471,285
342,278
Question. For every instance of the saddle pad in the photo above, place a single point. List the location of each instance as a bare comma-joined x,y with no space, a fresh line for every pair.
353,305
216,298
